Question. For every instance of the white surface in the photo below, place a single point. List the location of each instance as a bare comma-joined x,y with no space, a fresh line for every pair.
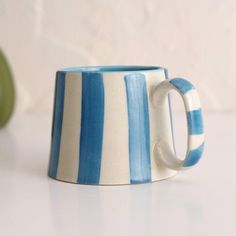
194,39
200,201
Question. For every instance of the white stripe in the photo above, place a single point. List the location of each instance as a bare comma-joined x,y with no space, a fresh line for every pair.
115,149
195,141
160,125
70,137
193,100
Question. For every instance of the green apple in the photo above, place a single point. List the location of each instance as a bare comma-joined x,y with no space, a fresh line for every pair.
7,91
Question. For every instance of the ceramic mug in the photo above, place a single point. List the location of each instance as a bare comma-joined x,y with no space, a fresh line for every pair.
112,125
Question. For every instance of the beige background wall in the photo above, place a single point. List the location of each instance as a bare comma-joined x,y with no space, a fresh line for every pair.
194,39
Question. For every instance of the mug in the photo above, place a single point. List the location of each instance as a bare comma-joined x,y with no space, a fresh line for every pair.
112,125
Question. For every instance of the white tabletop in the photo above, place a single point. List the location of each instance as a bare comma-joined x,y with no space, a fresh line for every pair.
201,201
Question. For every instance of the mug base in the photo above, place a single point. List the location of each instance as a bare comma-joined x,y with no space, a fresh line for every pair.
172,175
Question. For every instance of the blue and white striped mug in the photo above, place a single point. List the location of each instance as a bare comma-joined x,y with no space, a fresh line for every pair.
112,125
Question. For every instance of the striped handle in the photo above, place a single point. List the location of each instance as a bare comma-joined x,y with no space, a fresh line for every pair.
164,153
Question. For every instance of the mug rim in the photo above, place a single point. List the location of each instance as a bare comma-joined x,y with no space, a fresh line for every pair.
112,68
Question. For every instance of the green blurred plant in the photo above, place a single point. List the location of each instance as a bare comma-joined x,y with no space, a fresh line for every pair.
7,91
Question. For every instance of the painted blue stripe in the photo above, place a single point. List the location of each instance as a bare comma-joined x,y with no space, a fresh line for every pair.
57,123
91,136
195,123
139,134
182,85
194,156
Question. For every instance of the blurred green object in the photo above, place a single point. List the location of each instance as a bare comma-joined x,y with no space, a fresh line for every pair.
7,91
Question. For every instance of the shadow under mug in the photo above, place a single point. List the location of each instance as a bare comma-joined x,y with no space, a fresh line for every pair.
112,125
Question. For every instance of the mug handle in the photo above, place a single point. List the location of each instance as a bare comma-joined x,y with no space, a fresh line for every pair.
162,149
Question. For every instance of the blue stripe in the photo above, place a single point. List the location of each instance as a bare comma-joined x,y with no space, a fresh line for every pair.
182,85
195,123
57,123
194,156
139,137
91,136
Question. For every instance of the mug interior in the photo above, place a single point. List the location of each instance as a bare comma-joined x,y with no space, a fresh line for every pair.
110,68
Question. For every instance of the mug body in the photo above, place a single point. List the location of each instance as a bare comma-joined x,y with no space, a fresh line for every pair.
105,126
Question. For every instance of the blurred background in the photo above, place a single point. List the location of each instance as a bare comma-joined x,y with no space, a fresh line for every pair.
193,39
